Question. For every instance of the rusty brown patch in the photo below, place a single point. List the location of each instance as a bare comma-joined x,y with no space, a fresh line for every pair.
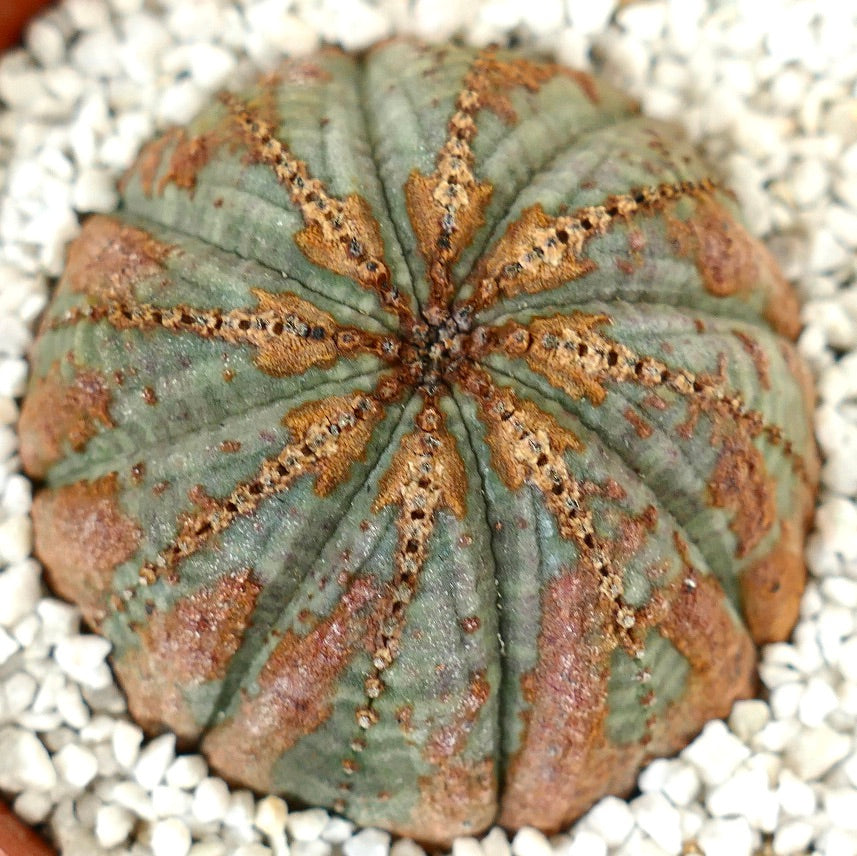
230,446
643,429
564,762
81,536
721,654
57,415
470,623
757,355
574,355
183,648
149,161
458,797
732,262
192,153
446,208
449,740
108,258
295,71
740,483
461,799
297,690
771,588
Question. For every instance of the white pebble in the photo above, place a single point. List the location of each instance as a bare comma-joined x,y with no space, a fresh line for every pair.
59,619
825,252
589,16
748,718
180,103
660,820
127,739
466,845
168,801
210,65
271,814
8,646
88,14
793,838
726,838
586,843
531,842
495,843
45,42
809,180
95,190
76,765
170,837
210,800
154,760
337,831
745,793
33,807
796,797
113,825
368,842
24,762
82,658
132,796
307,825
241,811
252,849
16,538
612,819
715,753
208,848
16,694
187,771
317,847
817,701
26,631
407,847
815,751
681,785
840,805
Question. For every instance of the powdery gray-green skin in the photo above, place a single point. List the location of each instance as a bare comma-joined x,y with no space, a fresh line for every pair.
425,434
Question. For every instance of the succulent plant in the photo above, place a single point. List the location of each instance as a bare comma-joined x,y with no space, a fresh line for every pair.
426,434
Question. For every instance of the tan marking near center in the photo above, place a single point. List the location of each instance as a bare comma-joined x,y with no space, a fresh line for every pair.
539,252
447,207
425,476
339,235
574,356
289,334
327,437
529,446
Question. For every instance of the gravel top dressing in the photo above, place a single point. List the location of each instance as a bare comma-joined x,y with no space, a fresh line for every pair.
768,89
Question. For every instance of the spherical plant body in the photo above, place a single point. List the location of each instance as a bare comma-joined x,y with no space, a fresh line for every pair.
425,433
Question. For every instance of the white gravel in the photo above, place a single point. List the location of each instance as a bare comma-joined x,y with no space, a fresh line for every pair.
768,88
